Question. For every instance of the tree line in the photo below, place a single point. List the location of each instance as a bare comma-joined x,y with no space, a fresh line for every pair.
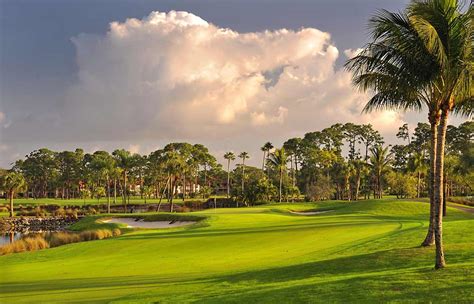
344,162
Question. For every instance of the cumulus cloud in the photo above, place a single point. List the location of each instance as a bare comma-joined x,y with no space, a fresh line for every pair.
175,76
351,53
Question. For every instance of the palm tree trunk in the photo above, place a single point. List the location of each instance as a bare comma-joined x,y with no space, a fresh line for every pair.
184,187
263,162
357,186
281,179
429,239
243,177
172,183
115,190
418,188
438,191
379,185
108,194
292,180
162,194
445,193
11,203
125,191
228,178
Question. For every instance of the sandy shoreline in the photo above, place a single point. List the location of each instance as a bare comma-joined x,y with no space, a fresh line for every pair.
310,212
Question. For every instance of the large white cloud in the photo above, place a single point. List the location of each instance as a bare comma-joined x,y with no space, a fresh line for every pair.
175,75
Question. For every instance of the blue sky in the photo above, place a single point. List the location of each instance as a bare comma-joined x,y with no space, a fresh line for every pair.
49,49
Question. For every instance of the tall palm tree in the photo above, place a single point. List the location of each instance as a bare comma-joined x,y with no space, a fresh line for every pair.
417,164
11,183
379,162
243,156
174,165
398,68
125,163
418,58
266,151
279,159
448,34
230,156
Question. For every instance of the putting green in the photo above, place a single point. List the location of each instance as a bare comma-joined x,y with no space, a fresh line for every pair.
364,251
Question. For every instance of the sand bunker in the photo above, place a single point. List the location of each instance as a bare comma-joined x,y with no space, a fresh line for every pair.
140,223
310,212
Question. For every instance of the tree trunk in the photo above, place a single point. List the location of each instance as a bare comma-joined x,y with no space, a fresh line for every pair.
228,178
357,186
162,194
11,202
429,239
263,162
281,180
438,191
108,194
172,184
418,189
125,191
292,180
445,194
184,187
115,191
243,176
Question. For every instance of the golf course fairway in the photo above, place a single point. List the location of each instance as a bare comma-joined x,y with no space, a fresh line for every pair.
365,251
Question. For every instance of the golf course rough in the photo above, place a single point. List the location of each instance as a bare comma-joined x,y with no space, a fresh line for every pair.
365,251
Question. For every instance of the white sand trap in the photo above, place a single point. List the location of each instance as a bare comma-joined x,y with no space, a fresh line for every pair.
310,212
140,223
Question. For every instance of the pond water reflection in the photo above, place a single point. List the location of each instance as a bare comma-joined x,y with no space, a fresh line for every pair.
9,237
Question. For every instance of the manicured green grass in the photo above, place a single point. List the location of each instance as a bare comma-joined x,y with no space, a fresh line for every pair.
362,252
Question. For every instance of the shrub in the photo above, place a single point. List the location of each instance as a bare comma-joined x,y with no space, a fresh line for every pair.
402,185
60,212
63,238
39,212
91,235
15,247
72,213
185,209
321,189
35,243
87,235
91,210
104,233
55,239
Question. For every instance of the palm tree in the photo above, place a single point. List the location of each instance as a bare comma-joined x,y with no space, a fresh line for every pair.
230,156
243,156
174,165
409,65
279,159
417,165
266,149
447,34
401,72
125,163
379,162
11,183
